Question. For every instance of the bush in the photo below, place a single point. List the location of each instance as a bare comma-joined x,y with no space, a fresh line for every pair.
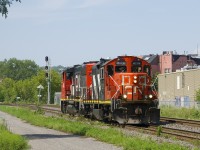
197,95
184,113
10,141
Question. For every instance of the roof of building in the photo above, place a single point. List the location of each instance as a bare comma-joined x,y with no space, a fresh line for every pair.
196,59
175,57
149,58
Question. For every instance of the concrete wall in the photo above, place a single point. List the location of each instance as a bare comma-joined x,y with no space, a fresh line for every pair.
179,86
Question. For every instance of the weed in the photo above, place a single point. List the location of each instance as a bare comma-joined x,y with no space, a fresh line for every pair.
39,110
159,130
10,141
185,113
109,135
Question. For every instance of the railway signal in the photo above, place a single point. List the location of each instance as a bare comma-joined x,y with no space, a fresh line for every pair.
48,76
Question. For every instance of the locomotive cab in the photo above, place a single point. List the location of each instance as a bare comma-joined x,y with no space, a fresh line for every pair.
128,86
66,87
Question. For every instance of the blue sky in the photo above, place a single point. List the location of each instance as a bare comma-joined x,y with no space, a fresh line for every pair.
73,31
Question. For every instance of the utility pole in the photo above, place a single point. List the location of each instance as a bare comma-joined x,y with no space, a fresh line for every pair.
48,77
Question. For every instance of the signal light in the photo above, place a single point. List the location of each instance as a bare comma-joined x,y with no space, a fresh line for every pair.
46,74
46,58
46,67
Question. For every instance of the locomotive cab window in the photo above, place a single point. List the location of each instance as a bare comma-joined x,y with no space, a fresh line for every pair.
120,65
136,66
136,69
110,70
147,69
120,69
102,73
69,75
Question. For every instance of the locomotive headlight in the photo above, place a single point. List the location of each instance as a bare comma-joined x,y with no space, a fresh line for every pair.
135,77
124,96
134,81
150,96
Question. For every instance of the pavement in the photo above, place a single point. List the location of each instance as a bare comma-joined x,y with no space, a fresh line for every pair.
40,138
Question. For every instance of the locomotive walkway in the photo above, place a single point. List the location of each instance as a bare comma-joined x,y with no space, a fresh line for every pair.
42,138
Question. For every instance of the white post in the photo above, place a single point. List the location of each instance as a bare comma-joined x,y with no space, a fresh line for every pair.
48,71
40,87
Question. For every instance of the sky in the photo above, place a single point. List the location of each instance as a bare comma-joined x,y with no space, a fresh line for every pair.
71,32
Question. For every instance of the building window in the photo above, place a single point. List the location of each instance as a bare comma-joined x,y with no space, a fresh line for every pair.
167,70
178,82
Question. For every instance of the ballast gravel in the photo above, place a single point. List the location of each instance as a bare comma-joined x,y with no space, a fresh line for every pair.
47,139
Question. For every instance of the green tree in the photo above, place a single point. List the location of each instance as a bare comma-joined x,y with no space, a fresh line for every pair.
4,4
198,95
8,92
155,81
18,69
26,87
55,83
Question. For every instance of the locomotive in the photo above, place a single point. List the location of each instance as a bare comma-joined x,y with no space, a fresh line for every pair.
118,90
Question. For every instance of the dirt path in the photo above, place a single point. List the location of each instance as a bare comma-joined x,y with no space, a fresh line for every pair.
46,139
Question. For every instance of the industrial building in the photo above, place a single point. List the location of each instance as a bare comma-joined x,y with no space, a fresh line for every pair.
179,88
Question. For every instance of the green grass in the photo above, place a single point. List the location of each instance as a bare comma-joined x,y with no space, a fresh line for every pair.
184,113
10,141
90,129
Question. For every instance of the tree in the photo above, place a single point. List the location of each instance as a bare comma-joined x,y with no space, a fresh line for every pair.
4,6
197,95
18,69
155,81
8,92
27,89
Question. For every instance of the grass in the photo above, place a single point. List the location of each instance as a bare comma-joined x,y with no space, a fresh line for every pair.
184,113
10,141
90,129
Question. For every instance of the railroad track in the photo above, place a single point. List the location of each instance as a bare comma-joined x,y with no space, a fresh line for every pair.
152,129
193,123
52,110
178,133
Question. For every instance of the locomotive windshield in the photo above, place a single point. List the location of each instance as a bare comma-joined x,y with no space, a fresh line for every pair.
121,66
120,69
69,75
147,69
136,66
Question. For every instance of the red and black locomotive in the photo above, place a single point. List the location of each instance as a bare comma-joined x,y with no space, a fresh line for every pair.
117,89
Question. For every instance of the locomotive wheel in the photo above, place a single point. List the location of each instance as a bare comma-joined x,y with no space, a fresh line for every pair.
63,107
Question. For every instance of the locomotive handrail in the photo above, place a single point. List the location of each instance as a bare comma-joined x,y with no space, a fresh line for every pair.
117,86
83,94
112,98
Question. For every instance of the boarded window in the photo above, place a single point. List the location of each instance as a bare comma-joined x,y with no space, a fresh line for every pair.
178,82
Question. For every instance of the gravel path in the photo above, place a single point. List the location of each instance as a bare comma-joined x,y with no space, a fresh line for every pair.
42,139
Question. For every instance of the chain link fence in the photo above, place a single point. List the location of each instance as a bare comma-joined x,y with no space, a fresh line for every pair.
180,103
